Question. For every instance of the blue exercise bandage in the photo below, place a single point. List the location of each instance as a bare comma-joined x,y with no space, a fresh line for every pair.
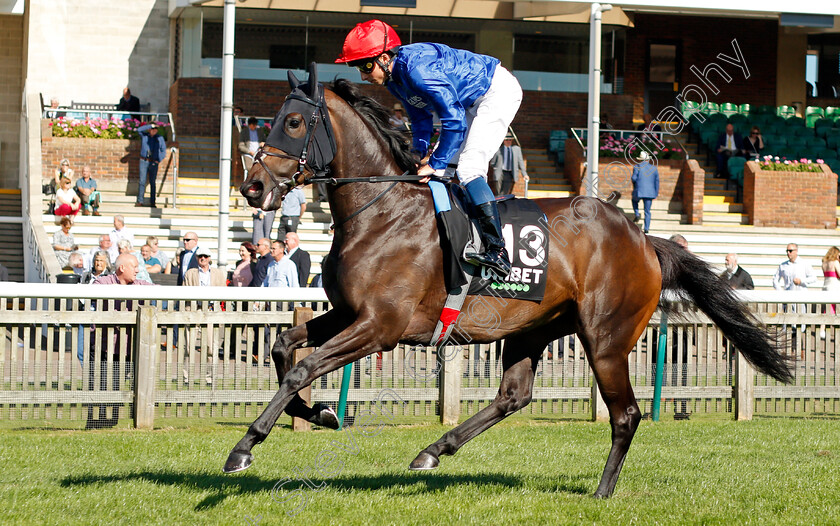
479,191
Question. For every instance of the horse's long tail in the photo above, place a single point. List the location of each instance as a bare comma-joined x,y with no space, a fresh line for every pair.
685,272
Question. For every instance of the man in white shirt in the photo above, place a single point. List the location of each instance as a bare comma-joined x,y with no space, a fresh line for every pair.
282,272
119,233
728,144
794,274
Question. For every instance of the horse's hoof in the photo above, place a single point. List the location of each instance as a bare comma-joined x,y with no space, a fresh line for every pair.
238,461
424,461
326,417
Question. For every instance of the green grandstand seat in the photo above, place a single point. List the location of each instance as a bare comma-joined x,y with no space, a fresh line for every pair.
795,121
812,114
727,108
775,120
786,111
719,118
812,154
689,107
800,131
774,141
735,165
745,109
709,138
796,141
832,113
776,130
696,121
833,141
788,153
834,165
815,142
738,117
821,126
825,153
742,128
766,109
710,108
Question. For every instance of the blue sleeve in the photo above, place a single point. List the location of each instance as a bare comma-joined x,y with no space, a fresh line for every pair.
421,129
144,129
635,176
453,122
656,179
162,143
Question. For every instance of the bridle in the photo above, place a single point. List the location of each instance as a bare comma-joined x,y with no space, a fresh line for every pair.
315,168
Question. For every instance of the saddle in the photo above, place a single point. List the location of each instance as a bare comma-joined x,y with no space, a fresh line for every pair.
525,230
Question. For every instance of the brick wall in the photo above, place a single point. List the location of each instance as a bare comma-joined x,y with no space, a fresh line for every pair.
701,40
194,103
11,86
693,182
790,199
679,181
109,159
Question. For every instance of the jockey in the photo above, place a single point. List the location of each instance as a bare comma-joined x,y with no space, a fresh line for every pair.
474,97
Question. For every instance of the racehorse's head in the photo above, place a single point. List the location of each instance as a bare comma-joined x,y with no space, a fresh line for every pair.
301,144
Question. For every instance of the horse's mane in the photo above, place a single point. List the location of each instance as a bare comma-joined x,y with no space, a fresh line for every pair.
377,116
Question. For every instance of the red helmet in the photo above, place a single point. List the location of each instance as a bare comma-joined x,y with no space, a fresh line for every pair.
368,39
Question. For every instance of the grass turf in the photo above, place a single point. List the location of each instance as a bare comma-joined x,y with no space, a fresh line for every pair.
770,470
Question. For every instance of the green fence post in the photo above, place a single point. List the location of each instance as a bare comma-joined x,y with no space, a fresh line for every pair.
346,374
660,363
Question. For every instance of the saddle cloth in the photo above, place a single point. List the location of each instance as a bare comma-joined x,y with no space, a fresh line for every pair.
525,231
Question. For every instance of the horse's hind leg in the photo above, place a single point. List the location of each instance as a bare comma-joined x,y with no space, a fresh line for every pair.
519,361
608,357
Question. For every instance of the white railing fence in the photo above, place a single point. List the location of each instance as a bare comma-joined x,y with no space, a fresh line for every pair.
83,355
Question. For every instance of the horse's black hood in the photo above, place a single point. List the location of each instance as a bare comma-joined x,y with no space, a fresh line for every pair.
319,142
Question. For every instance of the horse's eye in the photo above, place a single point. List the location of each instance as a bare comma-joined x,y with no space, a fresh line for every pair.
294,123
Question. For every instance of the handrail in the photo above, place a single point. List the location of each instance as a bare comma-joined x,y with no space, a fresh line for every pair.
177,160
308,294
622,133
161,292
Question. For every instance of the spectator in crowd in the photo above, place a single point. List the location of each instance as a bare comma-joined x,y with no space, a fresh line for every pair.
4,273
186,259
151,263
87,192
53,112
831,271
76,262
795,273
128,103
104,246
261,268
507,164
251,138
203,275
294,206
728,144
648,124
281,271
263,223
645,179
67,203
63,170
64,243
101,267
317,281
160,255
126,270
125,247
735,276
398,120
152,152
680,240
298,256
245,267
118,233
753,144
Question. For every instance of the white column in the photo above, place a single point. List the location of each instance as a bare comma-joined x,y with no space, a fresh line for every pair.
594,108
226,123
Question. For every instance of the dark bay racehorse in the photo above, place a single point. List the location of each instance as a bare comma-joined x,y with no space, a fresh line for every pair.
385,281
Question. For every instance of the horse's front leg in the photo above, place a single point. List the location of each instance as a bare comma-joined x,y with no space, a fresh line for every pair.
312,333
360,339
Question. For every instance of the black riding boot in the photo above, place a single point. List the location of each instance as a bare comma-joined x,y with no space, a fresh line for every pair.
495,257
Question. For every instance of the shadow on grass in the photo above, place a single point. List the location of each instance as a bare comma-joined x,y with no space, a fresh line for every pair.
224,486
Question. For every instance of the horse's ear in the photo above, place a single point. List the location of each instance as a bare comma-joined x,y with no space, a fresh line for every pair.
293,80
313,81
